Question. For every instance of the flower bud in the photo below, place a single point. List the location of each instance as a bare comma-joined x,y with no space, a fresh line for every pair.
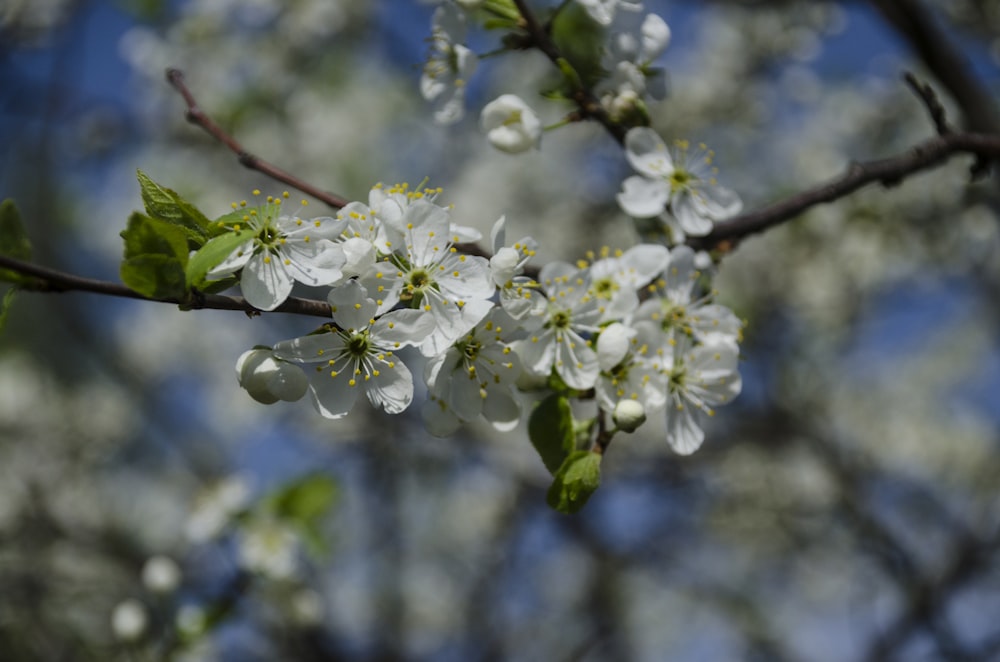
629,415
268,379
510,124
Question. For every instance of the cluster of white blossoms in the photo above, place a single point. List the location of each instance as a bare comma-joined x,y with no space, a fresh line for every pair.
634,326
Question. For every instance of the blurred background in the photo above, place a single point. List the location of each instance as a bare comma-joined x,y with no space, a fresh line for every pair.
845,507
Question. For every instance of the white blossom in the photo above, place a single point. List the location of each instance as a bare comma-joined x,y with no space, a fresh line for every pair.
425,271
475,376
129,620
686,182
518,294
699,378
359,353
570,311
449,65
268,379
161,574
284,248
511,125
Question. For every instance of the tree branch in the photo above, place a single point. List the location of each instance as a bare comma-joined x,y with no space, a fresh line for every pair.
889,172
914,23
197,116
50,280
589,105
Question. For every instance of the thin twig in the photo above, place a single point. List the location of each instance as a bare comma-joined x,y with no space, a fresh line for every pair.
889,172
50,280
929,98
197,116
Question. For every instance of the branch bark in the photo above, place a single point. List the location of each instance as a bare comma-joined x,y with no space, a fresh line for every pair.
889,172
51,280
197,116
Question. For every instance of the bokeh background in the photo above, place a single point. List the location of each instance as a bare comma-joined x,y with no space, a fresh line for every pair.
846,507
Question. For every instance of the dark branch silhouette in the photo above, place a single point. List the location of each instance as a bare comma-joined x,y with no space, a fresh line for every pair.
196,115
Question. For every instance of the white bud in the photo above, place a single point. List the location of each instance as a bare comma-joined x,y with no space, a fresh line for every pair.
629,415
612,345
268,379
128,620
510,124
161,574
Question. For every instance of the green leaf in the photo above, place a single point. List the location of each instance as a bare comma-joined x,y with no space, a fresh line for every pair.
14,241
156,254
550,428
304,503
581,41
577,478
213,253
166,205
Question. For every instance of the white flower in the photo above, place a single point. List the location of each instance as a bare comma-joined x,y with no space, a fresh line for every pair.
634,42
675,308
517,293
615,279
284,248
511,125
631,369
268,547
699,378
449,66
570,311
161,574
268,379
426,271
475,376
129,620
359,353
686,182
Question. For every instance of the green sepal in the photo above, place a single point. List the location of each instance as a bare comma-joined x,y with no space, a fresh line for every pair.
582,433
164,204
14,241
577,478
213,253
156,254
304,503
550,428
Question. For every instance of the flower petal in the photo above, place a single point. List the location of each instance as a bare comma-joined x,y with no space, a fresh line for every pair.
642,197
265,282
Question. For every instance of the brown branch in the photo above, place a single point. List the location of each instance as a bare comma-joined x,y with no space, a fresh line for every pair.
589,105
50,280
931,102
888,172
197,116
914,23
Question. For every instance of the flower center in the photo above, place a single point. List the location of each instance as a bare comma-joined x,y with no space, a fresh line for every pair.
560,320
358,344
679,180
605,288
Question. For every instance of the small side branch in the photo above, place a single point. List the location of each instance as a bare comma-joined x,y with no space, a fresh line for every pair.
197,116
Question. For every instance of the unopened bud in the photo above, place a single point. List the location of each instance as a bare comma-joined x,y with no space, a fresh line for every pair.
629,415
268,379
